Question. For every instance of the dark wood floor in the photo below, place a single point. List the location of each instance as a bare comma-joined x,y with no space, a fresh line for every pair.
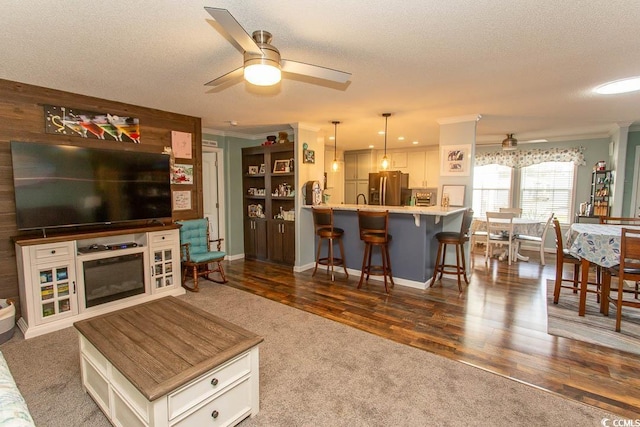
497,323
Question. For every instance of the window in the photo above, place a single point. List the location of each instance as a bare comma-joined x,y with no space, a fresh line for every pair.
491,188
546,188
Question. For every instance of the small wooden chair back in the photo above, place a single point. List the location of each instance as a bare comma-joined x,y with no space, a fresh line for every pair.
618,220
630,254
559,244
322,218
373,223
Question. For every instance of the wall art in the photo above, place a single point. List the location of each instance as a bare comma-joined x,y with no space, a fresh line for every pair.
88,124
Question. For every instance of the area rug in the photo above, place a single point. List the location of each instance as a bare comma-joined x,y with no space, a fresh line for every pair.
313,372
593,327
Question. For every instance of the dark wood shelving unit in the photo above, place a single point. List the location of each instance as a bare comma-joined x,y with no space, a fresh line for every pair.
269,237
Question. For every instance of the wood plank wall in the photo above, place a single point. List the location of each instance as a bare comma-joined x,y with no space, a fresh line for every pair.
22,119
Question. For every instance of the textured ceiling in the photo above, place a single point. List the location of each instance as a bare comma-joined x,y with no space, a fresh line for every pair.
527,67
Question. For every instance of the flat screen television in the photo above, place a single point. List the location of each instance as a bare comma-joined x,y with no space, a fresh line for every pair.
63,185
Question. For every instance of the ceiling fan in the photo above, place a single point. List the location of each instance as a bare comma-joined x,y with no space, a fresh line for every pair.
262,62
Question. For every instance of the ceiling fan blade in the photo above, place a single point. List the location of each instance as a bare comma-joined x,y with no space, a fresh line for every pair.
232,75
314,71
234,29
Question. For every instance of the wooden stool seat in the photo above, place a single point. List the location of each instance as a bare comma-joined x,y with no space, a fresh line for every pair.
374,233
457,239
323,222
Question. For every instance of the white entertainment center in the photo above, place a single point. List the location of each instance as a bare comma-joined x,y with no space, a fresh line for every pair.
71,277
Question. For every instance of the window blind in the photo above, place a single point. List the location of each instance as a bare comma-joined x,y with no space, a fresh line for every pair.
491,188
547,188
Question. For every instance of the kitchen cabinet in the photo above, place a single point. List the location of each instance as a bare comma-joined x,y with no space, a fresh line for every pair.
357,165
432,168
353,188
416,168
423,168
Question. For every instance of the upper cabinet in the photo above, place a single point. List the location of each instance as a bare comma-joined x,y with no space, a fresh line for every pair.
357,164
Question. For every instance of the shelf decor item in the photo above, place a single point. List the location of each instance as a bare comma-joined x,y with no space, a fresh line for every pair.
253,170
281,166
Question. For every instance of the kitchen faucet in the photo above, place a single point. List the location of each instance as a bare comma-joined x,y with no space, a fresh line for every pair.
363,197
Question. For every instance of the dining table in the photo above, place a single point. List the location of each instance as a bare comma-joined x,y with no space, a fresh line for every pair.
594,243
524,226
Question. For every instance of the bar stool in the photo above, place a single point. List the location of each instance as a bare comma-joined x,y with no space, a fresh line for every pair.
323,222
453,238
374,228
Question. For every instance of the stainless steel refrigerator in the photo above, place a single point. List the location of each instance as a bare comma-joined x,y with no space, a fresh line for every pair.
387,188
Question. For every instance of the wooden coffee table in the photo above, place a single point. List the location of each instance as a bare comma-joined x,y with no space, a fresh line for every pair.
168,363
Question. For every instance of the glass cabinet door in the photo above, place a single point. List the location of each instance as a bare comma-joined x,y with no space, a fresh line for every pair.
56,292
163,268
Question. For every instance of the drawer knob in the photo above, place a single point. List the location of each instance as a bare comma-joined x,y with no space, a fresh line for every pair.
214,382
53,251
214,414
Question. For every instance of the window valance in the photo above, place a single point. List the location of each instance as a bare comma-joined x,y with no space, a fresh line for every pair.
522,158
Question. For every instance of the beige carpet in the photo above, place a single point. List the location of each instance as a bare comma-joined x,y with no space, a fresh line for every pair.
313,372
563,321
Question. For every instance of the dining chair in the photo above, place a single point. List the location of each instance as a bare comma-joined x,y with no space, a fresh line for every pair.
633,221
515,211
197,254
627,270
564,257
536,240
500,233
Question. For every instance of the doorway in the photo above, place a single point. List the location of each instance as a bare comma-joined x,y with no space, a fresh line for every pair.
213,192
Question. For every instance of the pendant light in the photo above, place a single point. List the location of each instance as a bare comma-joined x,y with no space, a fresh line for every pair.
509,143
334,165
385,160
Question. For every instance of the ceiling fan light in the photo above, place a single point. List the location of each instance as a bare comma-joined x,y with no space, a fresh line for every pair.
262,74
509,143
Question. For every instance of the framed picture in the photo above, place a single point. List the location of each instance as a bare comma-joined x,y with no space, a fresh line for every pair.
455,160
308,156
456,194
263,169
182,174
253,170
281,166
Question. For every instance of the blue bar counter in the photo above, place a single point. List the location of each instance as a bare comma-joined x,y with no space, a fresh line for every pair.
413,246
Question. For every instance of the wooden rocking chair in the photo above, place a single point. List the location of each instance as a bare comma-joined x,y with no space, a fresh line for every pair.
196,254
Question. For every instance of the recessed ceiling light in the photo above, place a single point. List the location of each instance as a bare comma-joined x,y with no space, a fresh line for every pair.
401,138
332,138
380,132
415,143
619,86
371,146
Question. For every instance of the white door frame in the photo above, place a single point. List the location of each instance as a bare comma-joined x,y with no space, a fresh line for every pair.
220,181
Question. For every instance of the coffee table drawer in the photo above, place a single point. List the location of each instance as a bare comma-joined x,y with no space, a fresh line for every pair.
208,385
226,409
